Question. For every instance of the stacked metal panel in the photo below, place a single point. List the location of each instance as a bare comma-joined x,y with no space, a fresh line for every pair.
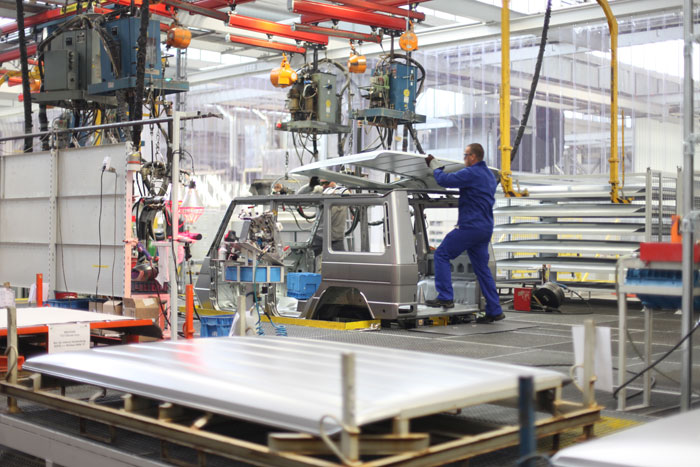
292,383
569,224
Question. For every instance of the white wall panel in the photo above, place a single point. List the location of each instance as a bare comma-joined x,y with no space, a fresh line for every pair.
66,239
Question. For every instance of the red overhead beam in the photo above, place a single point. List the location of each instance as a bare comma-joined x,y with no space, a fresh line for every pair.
275,29
196,8
216,4
39,18
158,9
262,43
356,36
13,54
376,6
70,10
394,3
351,15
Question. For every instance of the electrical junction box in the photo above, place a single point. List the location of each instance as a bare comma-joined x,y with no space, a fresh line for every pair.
124,32
72,61
402,87
78,65
63,65
327,110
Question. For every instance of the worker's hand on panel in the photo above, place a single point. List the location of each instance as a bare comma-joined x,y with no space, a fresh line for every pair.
429,159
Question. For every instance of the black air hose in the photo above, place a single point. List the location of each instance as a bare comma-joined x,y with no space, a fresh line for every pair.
535,80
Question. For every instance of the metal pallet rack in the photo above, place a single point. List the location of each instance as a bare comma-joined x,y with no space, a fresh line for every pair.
569,224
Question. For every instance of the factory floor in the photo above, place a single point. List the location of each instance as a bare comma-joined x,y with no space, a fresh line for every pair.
531,339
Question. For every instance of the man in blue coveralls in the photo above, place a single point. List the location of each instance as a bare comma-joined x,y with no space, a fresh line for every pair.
477,186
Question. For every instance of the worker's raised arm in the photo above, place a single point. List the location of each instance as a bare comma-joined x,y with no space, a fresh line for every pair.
460,179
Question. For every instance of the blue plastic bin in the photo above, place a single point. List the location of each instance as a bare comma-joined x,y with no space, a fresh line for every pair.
231,274
72,303
663,277
302,285
215,326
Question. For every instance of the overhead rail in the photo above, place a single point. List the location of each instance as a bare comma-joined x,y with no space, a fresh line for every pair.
277,29
264,44
351,15
356,36
320,18
9,55
377,6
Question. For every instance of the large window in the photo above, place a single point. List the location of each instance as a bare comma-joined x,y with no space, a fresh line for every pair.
370,233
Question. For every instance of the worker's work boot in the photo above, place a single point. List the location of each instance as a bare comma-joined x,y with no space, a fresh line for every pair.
485,319
437,303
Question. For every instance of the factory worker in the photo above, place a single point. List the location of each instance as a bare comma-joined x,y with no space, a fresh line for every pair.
310,187
339,217
477,186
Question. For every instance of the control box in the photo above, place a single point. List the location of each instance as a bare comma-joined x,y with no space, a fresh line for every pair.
72,61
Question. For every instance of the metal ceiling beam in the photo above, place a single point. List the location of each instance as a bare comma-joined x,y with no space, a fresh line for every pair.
357,36
215,4
216,41
350,15
198,9
375,6
275,29
460,34
474,9
70,10
28,7
261,43
307,19
9,55
204,43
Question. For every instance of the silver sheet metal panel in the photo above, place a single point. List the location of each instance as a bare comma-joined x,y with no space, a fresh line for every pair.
569,228
44,316
572,210
568,246
408,165
555,191
292,383
561,264
672,441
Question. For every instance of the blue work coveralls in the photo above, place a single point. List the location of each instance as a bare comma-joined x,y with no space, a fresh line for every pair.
477,186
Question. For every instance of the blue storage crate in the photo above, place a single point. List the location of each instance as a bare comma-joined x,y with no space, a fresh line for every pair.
246,272
663,277
231,273
72,303
302,285
215,326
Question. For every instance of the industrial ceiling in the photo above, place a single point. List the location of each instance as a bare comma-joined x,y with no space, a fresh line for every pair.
211,49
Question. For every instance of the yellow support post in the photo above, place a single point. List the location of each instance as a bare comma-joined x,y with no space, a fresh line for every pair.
616,195
504,101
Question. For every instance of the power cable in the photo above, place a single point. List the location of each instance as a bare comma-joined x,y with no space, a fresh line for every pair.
659,360
142,43
114,236
535,80
99,236
24,65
